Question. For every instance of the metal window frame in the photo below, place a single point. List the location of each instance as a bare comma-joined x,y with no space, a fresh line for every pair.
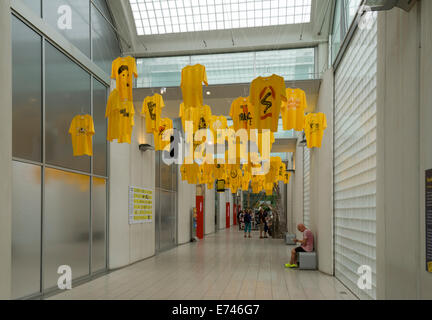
52,37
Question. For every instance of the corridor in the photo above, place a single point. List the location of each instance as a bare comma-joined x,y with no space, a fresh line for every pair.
224,266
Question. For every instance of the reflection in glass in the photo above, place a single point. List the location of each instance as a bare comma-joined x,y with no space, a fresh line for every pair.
66,224
99,224
77,28
100,123
26,229
105,42
64,100
34,5
27,92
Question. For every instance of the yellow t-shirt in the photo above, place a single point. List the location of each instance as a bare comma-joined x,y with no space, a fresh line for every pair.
293,109
281,172
189,114
123,70
247,176
162,135
190,172
266,95
152,109
257,184
120,116
242,113
219,172
82,131
273,174
217,123
258,140
287,177
268,187
235,175
204,117
315,124
191,85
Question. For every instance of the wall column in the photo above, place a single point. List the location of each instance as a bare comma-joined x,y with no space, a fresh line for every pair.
6,151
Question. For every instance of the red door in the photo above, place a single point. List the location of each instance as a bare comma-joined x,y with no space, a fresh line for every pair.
200,217
235,215
228,215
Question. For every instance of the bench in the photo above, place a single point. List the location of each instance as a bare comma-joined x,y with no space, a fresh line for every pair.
308,260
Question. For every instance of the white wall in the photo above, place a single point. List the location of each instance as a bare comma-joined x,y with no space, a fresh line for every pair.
321,183
186,200
222,210
425,279
297,195
209,211
404,102
6,151
130,167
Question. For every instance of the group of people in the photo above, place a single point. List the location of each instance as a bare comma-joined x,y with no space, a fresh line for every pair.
263,218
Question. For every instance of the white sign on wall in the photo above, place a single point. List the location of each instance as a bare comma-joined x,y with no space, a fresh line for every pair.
140,205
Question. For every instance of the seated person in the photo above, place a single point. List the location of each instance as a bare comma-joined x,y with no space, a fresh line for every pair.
307,245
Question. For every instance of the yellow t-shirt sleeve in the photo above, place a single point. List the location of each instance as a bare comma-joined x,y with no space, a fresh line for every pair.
134,67
324,121
205,76
91,126
113,67
231,114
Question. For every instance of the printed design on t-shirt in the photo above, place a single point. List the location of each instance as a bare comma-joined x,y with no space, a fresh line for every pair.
124,113
81,131
314,127
202,123
266,93
245,115
123,72
151,108
234,174
162,130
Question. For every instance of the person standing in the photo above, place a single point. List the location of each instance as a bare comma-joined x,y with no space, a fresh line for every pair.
248,223
261,218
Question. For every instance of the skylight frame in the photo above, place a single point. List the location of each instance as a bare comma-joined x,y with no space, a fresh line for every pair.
181,16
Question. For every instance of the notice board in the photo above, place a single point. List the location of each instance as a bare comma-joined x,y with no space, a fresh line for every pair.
140,205
428,200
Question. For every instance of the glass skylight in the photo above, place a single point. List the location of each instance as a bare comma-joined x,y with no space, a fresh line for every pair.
154,17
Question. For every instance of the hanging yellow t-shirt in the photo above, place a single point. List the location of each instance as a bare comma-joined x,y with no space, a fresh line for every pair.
204,117
219,171
120,116
281,172
163,134
257,139
152,110
189,114
247,176
242,114
268,187
235,175
315,124
191,85
82,130
190,172
287,177
273,173
293,110
112,113
217,123
125,122
266,95
257,184
123,70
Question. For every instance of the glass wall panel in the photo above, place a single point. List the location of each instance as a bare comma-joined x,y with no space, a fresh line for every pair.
64,100
295,64
99,224
27,92
72,21
100,123
35,5
227,67
160,72
26,229
66,224
105,43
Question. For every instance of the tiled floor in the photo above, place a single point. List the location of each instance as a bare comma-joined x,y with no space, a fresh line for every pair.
223,266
